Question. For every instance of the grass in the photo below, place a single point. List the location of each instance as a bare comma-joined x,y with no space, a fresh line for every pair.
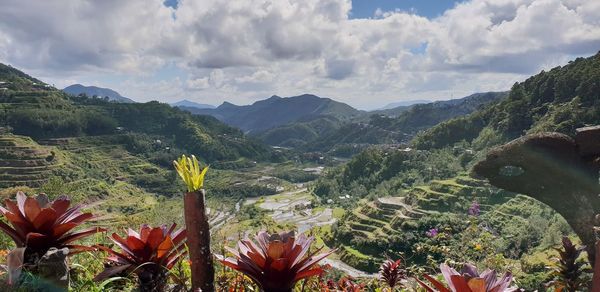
355,253
338,212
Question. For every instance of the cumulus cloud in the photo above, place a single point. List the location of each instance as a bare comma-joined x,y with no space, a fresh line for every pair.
84,35
240,50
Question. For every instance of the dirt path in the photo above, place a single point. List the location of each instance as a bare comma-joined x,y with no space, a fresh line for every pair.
348,269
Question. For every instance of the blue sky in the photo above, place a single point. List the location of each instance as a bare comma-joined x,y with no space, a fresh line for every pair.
211,51
367,8
427,8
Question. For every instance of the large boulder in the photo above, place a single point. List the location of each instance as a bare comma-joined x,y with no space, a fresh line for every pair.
555,169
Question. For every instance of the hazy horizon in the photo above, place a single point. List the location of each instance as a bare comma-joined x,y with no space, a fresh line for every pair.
363,53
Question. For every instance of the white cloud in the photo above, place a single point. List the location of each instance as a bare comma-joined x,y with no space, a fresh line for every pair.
240,50
198,83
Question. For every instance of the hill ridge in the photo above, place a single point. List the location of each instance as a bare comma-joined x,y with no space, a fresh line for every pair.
276,111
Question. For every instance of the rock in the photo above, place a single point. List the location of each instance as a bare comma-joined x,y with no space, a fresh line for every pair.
54,269
588,140
554,169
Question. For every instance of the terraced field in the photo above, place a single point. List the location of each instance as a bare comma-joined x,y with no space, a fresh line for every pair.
366,232
24,162
97,171
455,195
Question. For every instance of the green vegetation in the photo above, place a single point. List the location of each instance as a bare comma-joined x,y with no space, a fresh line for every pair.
425,219
559,100
386,201
43,112
277,111
382,171
344,138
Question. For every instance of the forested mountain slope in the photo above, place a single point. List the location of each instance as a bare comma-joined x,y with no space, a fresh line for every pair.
77,89
276,111
34,109
345,137
560,100
401,198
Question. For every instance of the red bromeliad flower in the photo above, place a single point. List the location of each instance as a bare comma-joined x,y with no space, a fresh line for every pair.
391,273
469,281
347,284
149,253
38,224
276,261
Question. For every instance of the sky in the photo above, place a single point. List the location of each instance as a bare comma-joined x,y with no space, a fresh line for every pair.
367,53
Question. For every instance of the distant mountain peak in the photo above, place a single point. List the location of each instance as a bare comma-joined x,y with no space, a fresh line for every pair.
226,104
77,89
275,111
404,103
192,104
308,95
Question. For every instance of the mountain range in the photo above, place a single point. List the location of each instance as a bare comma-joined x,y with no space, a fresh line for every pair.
276,111
311,123
559,100
404,103
77,89
392,126
191,104
34,109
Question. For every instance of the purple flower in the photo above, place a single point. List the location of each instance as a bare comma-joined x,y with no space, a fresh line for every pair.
433,232
474,210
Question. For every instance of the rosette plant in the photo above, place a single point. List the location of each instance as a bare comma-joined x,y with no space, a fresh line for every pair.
469,280
569,270
391,273
196,222
275,262
347,284
43,232
150,254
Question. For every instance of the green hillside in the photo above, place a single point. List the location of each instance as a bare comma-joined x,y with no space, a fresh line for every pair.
116,157
397,226
24,162
299,133
393,126
32,109
13,79
397,196
559,100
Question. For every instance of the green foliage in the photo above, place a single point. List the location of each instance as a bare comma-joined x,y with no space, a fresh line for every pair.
386,171
561,100
296,175
240,191
301,133
47,113
342,138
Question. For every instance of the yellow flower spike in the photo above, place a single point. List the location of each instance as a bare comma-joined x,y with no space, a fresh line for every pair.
190,172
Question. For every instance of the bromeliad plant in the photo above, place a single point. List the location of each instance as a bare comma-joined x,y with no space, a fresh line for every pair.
568,271
469,280
391,273
347,284
275,262
39,225
196,222
150,254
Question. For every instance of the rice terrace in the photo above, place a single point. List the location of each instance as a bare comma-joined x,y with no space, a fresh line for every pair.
287,145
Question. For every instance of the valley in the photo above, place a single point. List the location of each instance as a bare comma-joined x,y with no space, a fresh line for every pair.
300,146
394,183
